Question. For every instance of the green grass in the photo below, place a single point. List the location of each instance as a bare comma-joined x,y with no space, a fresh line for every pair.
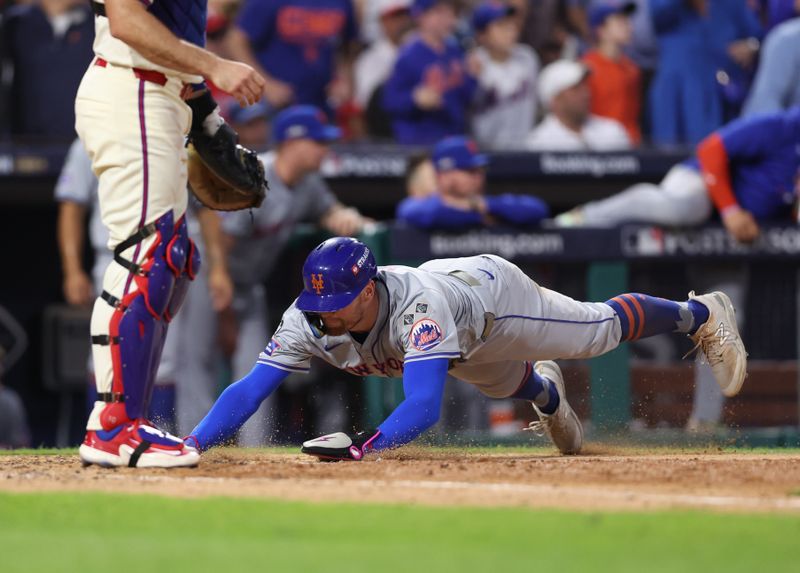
57,532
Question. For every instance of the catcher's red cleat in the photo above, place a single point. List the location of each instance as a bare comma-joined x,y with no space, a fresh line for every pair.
136,444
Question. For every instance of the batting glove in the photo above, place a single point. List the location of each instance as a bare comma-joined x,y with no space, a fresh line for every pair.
340,446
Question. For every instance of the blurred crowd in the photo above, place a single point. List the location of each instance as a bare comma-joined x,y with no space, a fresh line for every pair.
518,74
455,78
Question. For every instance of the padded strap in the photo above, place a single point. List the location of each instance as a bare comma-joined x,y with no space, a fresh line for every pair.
137,453
110,299
98,9
111,397
105,339
137,237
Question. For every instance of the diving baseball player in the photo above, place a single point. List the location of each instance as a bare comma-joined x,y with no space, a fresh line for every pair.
479,318
132,118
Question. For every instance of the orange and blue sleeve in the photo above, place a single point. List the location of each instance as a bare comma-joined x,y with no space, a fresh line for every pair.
715,168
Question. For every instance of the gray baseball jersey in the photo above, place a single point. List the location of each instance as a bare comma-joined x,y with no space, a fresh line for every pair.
481,313
260,238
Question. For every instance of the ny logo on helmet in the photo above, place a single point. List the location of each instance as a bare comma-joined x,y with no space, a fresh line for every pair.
317,283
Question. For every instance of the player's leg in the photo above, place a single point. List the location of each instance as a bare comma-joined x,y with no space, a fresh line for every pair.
680,199
709,320
532,322
541,384
733,280
195,329
251,311
133,131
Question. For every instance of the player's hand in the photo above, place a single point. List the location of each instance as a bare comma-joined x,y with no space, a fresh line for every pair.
741,225
744,52
277,93
340,446
78,289
239,80
427,98
474,64
345,221
220,288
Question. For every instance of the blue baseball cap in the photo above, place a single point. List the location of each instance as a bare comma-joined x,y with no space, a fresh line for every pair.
488,12
458,152
602,10
303,122
420,6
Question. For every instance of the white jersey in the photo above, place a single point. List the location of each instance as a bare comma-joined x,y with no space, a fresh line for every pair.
118,53
597,134
482,313
505,102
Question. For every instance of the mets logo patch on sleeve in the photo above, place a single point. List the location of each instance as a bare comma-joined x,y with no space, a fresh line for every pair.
426,334
271,347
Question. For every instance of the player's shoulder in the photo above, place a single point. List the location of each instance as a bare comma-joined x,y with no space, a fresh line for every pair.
409,283
295,322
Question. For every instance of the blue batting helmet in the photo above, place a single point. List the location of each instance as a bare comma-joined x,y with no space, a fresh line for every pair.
334,274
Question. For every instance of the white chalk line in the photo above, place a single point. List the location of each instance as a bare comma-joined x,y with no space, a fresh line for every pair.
597,493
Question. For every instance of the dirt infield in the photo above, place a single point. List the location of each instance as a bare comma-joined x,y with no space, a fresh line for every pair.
600,479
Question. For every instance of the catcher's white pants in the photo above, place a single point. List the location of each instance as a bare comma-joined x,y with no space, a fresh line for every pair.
134,132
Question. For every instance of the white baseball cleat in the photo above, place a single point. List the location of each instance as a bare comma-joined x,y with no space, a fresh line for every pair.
720,342
563,425
136,444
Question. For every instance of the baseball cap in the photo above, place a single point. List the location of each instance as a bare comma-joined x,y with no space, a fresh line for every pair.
420,6
599,11
303,122
559,76
488,12
391,6
457,152
235,113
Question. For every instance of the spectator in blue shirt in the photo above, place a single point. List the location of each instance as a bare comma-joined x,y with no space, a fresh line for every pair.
297,45
776,85
48,45
430,89
459,201
697,38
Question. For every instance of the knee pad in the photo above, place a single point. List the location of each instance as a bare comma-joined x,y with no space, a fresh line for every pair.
138,326
186,268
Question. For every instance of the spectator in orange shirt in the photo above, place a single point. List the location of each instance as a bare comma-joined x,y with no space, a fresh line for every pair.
615,79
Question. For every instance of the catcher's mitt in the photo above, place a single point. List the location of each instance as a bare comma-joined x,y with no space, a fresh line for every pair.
223,175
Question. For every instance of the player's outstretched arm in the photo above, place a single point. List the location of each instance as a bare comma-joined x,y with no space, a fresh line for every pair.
517,209
235,405
431,213
130,22
423,384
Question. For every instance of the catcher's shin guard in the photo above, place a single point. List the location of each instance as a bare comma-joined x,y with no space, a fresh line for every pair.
138,324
